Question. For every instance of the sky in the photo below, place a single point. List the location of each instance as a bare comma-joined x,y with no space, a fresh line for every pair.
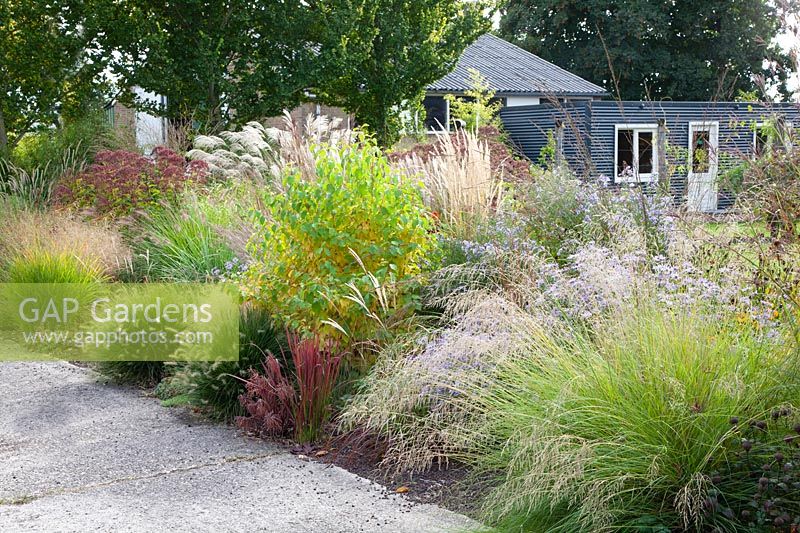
790,40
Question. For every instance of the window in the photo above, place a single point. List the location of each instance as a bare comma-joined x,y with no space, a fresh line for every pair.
703,143
636,157
701,146
111,118
760,140
436,112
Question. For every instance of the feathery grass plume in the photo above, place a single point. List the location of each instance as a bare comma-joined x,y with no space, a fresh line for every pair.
406,396
235,154
458,178
296,142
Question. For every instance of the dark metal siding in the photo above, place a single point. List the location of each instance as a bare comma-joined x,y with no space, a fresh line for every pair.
527,126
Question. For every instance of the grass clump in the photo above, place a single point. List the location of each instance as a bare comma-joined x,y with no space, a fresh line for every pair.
187,242
56,247
216,386
627,428
616,416
140,373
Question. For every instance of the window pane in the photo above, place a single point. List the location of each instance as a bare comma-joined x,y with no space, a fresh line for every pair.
700,151
625,153
645,152
435,112
761,141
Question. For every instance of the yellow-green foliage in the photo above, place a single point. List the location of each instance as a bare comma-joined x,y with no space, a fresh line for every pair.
479,110
305,244
37,265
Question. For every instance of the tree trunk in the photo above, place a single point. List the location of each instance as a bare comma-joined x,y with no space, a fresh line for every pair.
3,134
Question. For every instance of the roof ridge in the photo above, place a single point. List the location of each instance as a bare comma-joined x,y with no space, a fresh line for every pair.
509,68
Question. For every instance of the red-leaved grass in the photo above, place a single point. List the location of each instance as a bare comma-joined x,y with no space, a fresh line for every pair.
274,405
316,368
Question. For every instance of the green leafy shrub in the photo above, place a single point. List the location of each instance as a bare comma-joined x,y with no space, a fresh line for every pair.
91,132
479,107
304,246
118,182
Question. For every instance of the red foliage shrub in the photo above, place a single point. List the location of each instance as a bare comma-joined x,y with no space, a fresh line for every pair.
119,182
270,401
505,163
274,405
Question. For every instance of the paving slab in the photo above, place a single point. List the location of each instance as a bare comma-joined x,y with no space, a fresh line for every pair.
78,454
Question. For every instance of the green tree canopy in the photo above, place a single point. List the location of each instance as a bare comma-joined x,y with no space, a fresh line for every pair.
645,49
50,63
218,61
403,46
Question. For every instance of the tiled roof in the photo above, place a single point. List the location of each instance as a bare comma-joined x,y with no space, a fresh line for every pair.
510,69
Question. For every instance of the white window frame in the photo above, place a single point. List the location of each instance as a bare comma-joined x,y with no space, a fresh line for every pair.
712,127
637,177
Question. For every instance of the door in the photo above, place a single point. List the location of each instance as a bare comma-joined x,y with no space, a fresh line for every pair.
703,166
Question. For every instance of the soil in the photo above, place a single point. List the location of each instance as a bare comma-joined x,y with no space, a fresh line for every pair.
449,486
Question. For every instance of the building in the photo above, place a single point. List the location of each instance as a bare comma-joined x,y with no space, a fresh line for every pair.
694,143
147,130
517,77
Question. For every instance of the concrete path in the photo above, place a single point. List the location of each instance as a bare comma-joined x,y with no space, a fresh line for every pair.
79,455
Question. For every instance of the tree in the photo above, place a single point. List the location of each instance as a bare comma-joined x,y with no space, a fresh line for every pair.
639,49
219,62
50,64
404,45
207,58
477,108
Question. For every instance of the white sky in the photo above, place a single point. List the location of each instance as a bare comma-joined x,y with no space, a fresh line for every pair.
790,40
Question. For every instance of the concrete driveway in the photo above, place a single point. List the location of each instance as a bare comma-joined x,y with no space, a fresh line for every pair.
79,455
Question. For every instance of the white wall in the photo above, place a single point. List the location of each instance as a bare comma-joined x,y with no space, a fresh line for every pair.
150,130
512,101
